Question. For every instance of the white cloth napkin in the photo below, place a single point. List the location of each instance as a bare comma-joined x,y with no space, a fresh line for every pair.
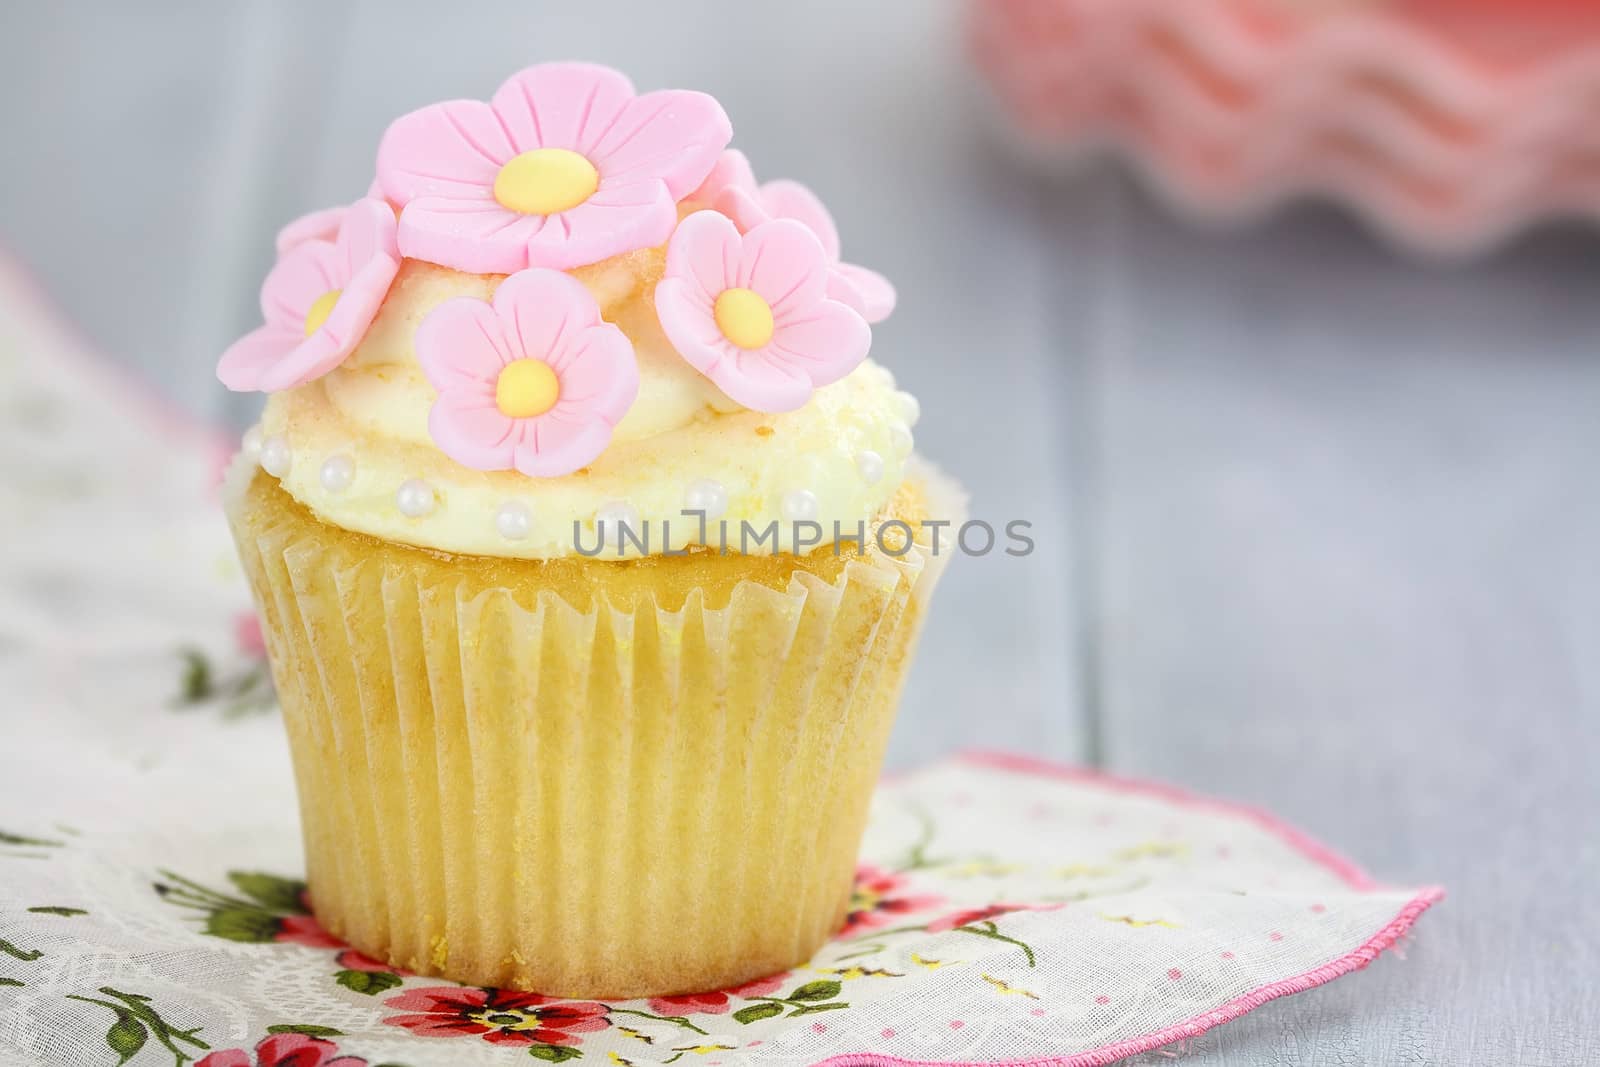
1006,911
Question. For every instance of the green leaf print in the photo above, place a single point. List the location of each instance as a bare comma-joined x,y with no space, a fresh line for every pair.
239,691
305,1028
65,913
196,685
137,1021
823,990
26,956
242,924
812,1009
755,1013
270,891
11,982
126,1037
22,841
369,982
554,1053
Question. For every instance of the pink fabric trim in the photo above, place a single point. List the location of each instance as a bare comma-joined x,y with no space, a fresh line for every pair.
1199,1024
1351,874
39,310
1344,869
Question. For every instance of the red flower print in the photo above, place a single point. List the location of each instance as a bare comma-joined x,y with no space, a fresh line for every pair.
977,915
285,1050
876,900
500,1016
305,930
718,1001
247,635
351,960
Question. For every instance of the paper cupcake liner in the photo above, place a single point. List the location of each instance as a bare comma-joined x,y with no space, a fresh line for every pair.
505,790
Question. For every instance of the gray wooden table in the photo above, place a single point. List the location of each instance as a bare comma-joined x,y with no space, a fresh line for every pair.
1318,529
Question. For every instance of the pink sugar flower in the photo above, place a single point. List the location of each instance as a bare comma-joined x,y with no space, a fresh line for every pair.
732,169
565,166
731,188
321,225
750,311
318,302
535,381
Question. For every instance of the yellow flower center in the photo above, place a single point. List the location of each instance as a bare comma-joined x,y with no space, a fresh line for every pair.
320,309
525,388
506,1019
744,317
545,181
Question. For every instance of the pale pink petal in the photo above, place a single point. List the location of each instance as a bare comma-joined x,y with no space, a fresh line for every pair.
597,371
451,149
559,442
840,289
705,250
561,105
731,170
471,430
247,359
674,135
366,233
828,340
297,280
476,235
614,220
743,207
687,321
314,226
784,262
539,309
345,325
876,292
761,383
786,199
305,362
324,225
462,346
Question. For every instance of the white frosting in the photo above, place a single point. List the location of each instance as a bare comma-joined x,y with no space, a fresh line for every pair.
683,444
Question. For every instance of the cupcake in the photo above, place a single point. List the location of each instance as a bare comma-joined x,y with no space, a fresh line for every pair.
589,545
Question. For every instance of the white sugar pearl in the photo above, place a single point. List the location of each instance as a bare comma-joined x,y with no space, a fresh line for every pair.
251,445
707,496
870,464
900,440
610,519
911,408
514,521
275,456
337,474
415,498
800,506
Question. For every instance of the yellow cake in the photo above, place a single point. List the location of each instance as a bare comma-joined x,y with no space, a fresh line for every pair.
589,581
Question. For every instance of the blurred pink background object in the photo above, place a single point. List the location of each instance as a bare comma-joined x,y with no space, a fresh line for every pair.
1449,125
